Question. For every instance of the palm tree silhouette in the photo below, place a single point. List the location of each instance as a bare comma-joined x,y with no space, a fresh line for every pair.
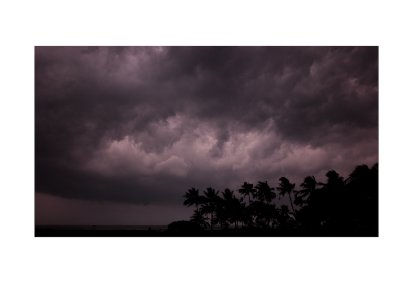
285,187
228,194
192,197
283,215
210,204
263,213
309,185
335,181
264,192
363,195
336,208
247,190
225,208
236,211
200,219
360,176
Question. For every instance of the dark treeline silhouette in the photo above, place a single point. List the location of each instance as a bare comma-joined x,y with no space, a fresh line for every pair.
338,207
335,207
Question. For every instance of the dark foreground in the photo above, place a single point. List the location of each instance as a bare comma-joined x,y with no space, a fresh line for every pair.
76,232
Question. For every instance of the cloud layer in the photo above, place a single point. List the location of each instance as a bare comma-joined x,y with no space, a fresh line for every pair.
141,125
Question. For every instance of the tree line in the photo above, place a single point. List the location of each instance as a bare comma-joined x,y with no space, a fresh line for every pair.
336,207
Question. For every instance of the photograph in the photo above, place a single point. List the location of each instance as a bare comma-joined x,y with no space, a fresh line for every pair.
206,141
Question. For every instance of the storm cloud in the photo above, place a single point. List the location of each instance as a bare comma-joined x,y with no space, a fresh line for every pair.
141,125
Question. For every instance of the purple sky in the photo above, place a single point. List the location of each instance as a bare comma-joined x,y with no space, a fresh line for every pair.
121,133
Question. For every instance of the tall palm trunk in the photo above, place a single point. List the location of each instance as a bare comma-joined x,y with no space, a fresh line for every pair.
291,203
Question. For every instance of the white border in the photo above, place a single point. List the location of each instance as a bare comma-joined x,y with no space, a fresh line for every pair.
28,23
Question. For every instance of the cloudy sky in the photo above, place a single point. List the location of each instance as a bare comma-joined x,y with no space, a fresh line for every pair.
122,132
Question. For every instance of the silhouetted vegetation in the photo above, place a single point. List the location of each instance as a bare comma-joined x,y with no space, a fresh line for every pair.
338,207
335,207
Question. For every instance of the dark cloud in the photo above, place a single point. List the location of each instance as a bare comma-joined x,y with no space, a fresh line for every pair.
142,124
